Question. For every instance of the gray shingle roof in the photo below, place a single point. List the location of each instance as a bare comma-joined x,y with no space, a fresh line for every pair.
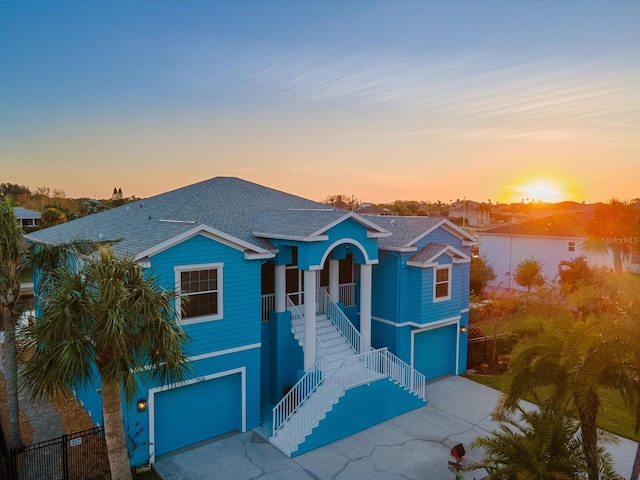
432,251
229,205
407,230
26,214
301,223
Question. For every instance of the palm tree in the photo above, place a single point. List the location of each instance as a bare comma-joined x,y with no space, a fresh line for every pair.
105,313
575,361
613,228
536,445
574,273
12,261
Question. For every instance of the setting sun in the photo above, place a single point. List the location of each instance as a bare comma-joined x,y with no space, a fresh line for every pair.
540,191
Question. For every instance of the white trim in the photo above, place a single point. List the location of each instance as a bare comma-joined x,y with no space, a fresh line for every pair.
449,282
420,326
464,310
216,235
178,269
248,255
204,356
220,353
440,323
456,255
399,249
341,241
152,392
397,325
359,219
145,262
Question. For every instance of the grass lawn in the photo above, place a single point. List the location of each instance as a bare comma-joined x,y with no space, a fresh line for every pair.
613,417
26,275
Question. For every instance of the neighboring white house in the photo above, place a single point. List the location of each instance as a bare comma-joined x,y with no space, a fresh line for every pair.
550,239
27,218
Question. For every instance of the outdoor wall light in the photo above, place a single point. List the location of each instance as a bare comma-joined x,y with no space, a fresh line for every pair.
142,405
463,329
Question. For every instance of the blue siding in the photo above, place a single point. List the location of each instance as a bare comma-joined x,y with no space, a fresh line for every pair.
385,287
241,293
440,235
360,408
90,398
137,423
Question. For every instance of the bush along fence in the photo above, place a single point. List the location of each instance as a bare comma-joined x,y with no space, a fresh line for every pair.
80,456
490,354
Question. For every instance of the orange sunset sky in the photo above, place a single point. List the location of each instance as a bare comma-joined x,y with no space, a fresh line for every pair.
381,100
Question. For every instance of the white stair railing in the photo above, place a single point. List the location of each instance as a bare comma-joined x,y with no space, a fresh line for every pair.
294,398
344,325
358,370
355,370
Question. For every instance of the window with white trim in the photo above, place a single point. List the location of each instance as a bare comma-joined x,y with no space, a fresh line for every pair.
199,292
442,283
572,246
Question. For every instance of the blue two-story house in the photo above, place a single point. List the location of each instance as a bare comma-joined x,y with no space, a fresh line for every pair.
311,321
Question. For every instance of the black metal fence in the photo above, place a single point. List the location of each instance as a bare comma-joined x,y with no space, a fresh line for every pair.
80,456
489,351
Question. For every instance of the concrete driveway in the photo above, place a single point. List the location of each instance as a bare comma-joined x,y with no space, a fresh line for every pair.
410,447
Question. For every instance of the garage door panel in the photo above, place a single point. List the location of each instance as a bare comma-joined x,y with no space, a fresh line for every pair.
196,412
435,351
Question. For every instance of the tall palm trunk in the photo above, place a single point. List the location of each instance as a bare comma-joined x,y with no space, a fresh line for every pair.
587,408
617,259
114,431
11,369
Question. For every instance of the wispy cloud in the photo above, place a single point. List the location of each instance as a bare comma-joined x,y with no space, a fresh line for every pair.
471,84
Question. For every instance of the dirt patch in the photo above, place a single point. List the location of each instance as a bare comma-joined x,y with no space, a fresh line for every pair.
74,417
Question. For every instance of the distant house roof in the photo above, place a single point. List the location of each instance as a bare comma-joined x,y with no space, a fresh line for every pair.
241,212
371,210
562,225
22,213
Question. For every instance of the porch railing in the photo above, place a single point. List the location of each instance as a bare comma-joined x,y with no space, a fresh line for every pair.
309,382
343,324
268,305
347,296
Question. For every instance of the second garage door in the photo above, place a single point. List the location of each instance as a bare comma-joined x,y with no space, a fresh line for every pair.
435,351
196,412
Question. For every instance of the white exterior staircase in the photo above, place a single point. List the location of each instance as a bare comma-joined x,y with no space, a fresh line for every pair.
342,362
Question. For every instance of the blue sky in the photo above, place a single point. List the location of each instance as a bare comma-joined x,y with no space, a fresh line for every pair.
382,100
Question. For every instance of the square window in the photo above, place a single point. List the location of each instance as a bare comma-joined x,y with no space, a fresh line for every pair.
200,297
442,283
